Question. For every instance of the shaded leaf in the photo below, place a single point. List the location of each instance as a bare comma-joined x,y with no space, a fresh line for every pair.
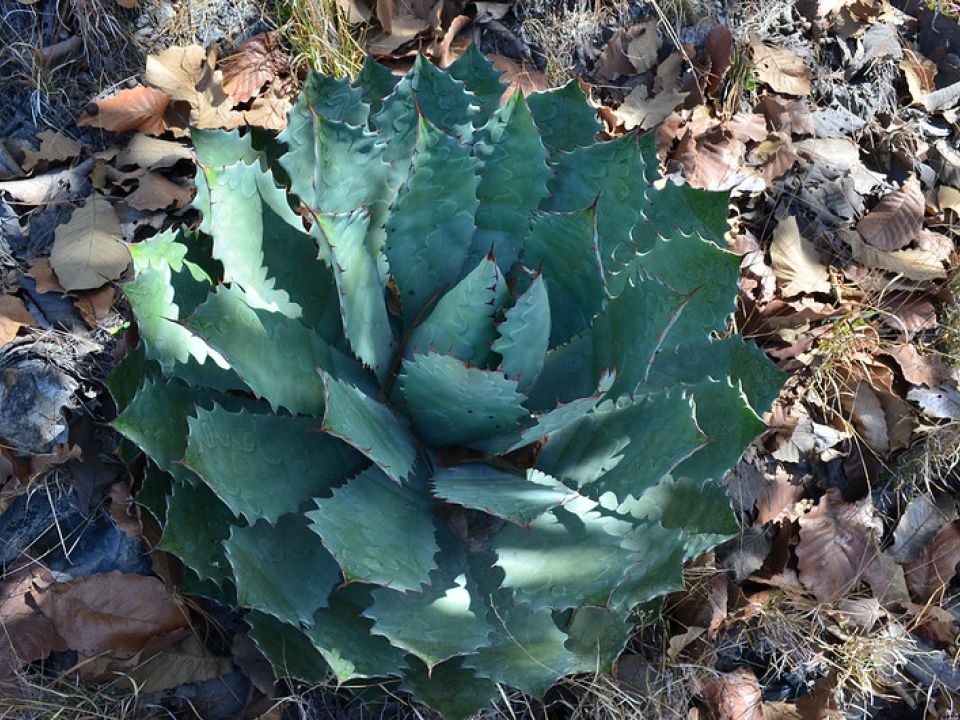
795,261
88,251
896,220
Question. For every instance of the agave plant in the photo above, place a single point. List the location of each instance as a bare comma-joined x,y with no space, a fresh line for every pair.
441,390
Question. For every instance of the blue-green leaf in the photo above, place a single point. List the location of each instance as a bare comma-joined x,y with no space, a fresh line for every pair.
521,499
369,426
564,248
564,117
282,570
451,403
430,227
461,323
226,449
481,78
525,335
513,180
360,523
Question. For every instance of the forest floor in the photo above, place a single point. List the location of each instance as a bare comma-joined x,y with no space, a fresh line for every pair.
834,125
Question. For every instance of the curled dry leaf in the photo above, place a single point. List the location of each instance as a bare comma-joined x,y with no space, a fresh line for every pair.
151,153
54,147
44,276
917,369
733,696
922,519
896,220
913,263
95,305
139,108
644,112
781,69
13,316
187,74
517,77
155,192
868,418
256,62
795,261
27,635
87,252
836,545
920,73
614,61
941,402
113,613
929,575
719,46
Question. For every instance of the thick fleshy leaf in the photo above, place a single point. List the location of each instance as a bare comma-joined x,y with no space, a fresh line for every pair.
598,635
343,637
528,653
336,167
451,403
362,304
444,620
612,445
610,176
282,570
569,557
226,449
521,499
451,688
546,424
482,79
430,227
461,323
164,442
356,519
196,525
564,117
525,335
513,180
369,426
657,568
375,82
289,650
161,268
239,195
424,92
276,356
564,247
332,98
217,148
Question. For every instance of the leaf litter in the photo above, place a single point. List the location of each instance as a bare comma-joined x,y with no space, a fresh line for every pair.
833,125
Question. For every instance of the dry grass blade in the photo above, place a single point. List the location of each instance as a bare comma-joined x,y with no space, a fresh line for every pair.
324,35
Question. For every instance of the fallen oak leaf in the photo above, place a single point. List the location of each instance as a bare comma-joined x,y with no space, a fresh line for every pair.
638,110
155,192
13,316
87,251
836,545
113,613
256,62
929,575
795,261
781,69
913,263
27,634
140,108
896,220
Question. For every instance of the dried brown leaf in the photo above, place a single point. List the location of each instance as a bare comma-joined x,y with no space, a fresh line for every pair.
54,147
868,418
942,401
733,696
95,305
614,61
948,198
836,545
637,110
719,46
642,48
795,261
27,635
912,263
917,369
517,77
113,613
124,512
929,575
256,62
781,69
42,463
152,153
404,27
187,74
44,276
87,251
139,108
155,192
13,316
896,220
